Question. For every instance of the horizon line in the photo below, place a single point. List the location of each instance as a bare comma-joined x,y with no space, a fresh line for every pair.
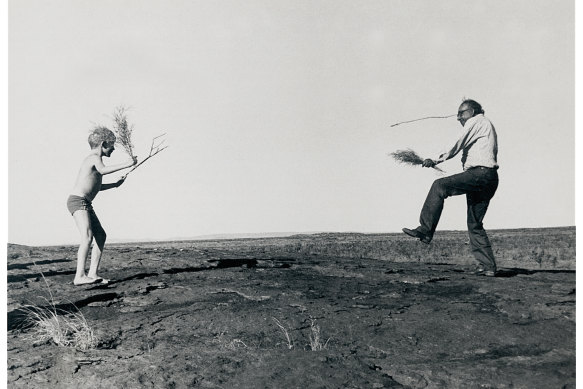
259,235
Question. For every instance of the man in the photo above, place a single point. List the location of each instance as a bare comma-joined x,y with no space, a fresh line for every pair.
479,181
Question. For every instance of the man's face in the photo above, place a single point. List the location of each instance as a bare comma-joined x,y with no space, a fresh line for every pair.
464,113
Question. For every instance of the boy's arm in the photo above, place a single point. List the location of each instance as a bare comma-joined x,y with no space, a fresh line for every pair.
103,170
113,185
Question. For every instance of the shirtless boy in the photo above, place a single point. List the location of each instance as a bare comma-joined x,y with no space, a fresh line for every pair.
86,187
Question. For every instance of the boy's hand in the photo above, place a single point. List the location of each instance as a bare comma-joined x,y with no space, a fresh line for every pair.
429,163
134,161
120,181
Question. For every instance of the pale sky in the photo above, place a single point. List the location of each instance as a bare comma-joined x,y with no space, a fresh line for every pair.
278,113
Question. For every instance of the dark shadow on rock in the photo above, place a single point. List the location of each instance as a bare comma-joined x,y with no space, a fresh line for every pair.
19,266
234,262
24,277
281,259
221,264
17,318
139,276
437,279
510,351
189,269
513,272
72,307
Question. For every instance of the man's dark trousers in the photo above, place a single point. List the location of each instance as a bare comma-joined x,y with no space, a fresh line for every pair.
479,185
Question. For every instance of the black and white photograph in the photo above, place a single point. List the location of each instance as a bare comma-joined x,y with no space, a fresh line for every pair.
311,194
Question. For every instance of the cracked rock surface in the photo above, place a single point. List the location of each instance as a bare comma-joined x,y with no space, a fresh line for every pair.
309,311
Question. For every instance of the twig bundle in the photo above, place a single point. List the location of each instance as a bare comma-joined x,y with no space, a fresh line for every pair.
409,157
123,131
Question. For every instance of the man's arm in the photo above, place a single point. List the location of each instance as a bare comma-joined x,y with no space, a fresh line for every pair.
457,147
103,170
468,136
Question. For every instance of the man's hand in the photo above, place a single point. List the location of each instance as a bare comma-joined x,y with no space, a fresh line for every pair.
134,161
429,163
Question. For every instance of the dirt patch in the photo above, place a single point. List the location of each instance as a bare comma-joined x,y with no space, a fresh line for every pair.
326,311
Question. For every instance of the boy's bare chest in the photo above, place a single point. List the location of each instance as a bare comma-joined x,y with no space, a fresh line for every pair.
94,176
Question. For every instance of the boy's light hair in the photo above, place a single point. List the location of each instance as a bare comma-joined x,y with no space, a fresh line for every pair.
101,134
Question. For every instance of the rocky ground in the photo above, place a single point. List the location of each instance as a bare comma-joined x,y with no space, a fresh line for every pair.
324,311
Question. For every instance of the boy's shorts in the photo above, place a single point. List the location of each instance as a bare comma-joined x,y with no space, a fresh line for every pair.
78,203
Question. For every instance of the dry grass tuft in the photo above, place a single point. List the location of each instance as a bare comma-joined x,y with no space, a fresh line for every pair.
229,344
316,337
64,328
290,344
409,157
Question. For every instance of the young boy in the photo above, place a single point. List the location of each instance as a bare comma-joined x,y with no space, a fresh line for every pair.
86,187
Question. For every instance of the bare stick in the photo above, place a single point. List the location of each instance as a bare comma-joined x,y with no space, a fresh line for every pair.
155,148
427,117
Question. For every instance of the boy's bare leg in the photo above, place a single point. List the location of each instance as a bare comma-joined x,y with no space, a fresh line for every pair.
96,257
82,220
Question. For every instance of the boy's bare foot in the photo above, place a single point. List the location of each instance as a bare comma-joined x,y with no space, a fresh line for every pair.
101,280
86,280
